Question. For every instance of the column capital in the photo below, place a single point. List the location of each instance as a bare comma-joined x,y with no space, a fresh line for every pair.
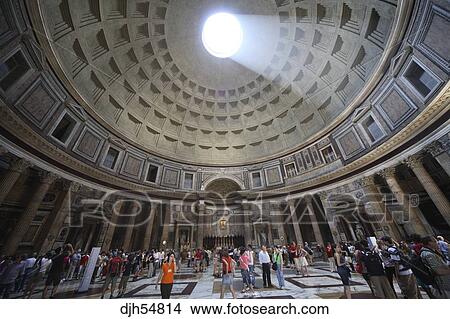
436,148
75,187
19,165
63,184
414,161
388,172
366,181
323,195
47,177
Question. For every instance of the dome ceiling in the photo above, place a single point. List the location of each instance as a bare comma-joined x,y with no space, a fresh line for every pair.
140,67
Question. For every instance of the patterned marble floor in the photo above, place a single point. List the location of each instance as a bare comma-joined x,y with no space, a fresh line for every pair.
321,283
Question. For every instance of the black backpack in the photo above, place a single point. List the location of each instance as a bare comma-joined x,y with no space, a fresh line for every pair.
421,270
373,263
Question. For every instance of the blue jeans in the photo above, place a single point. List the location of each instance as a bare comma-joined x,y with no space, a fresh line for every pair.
251,270
246,277
280,276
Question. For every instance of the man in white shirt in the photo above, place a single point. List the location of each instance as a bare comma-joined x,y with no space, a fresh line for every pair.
28,266
264,259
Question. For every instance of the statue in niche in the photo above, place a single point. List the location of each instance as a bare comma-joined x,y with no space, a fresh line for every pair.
359,232
263,238
184,236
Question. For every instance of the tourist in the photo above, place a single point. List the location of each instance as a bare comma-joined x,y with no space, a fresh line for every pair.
329,250
293,256
198,260
228,266
137,266
360,266
216,263
277,266
11,270
74,265
444,248
83,264
378,280
177,259
351,256
285,252
113,269
40,268
245,271
310,254
293,253
155,262
150,263
28,264
166,276
56,271
388,263
405,277
264,259
302,253
343,271
127,268
251,264
434,260
189,256
98,263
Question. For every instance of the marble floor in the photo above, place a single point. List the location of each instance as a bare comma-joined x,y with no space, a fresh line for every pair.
321,283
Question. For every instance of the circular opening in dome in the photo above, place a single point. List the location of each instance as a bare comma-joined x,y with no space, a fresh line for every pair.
222,35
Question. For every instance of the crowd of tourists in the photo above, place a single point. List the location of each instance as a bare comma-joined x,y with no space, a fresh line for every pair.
22,274
416,264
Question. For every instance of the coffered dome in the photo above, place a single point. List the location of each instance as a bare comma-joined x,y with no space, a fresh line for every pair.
141,69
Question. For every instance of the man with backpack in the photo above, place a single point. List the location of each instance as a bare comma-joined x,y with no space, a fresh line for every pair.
113,270
405,277
437,264
380,284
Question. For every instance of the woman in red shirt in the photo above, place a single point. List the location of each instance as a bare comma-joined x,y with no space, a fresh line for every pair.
168,270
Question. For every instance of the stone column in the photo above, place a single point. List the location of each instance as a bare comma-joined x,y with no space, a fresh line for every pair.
440,151
417,223
177,236
247,224
191,237
7,181
295,224
112,223
200,224
433,190
376,204
130,228
330,218
149,226
314,223
52,225
269,233
27,216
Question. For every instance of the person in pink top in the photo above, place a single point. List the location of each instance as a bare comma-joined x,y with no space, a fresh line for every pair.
244,261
